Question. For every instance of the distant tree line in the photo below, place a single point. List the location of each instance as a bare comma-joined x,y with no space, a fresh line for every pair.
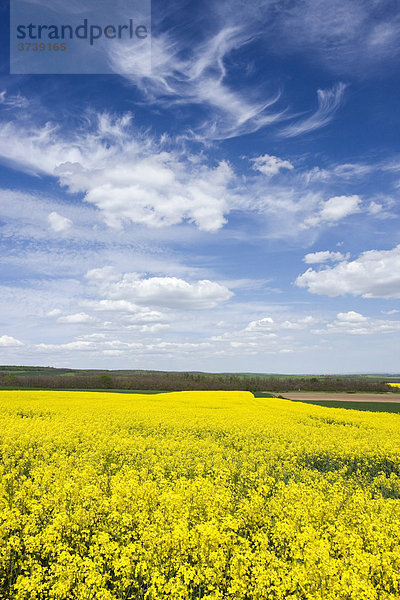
169,381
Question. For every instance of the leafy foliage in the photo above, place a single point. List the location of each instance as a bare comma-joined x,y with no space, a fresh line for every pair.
59,379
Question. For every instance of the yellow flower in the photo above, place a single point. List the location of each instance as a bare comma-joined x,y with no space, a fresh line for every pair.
196,495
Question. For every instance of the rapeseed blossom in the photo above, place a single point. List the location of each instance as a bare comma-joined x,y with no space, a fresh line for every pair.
196,495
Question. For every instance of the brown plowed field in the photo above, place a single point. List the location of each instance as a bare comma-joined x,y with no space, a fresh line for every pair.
324,396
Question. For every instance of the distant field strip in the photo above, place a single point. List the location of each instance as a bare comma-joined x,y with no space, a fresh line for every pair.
196,495
366,402
342,397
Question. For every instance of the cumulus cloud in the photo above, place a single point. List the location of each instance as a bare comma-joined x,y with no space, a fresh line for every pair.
266,323
267,335
375,274
333,210
270,165
328,103
266,329
169,292
127,176
324,256
133,314
354,323
58,223
131,178
351,317
161,191
7,341
269,324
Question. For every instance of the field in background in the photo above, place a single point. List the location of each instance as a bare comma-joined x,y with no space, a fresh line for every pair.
371,402
13,377
196,495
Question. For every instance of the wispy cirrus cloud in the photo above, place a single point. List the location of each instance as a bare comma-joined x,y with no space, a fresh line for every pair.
346,171
352,38
199,76
12,101
196,74
329,101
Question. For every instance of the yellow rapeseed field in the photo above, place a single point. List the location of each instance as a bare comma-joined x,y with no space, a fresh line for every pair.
196,495
394,384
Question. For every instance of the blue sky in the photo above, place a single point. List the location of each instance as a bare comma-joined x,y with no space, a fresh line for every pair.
235,210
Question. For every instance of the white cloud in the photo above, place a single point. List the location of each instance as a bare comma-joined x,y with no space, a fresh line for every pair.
58,223
131,312
324,256
124,174
346,37
92,343
339,207
270,165
292,208
161,191
103,275
113,352
374,208
375,274
77,318
127,178
266,323
333,210
169,292
267,335
179,346
269,324
346,171
328,103
197,75
157,327
77,345
354,323
56,312
12,101
7,341
351,317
